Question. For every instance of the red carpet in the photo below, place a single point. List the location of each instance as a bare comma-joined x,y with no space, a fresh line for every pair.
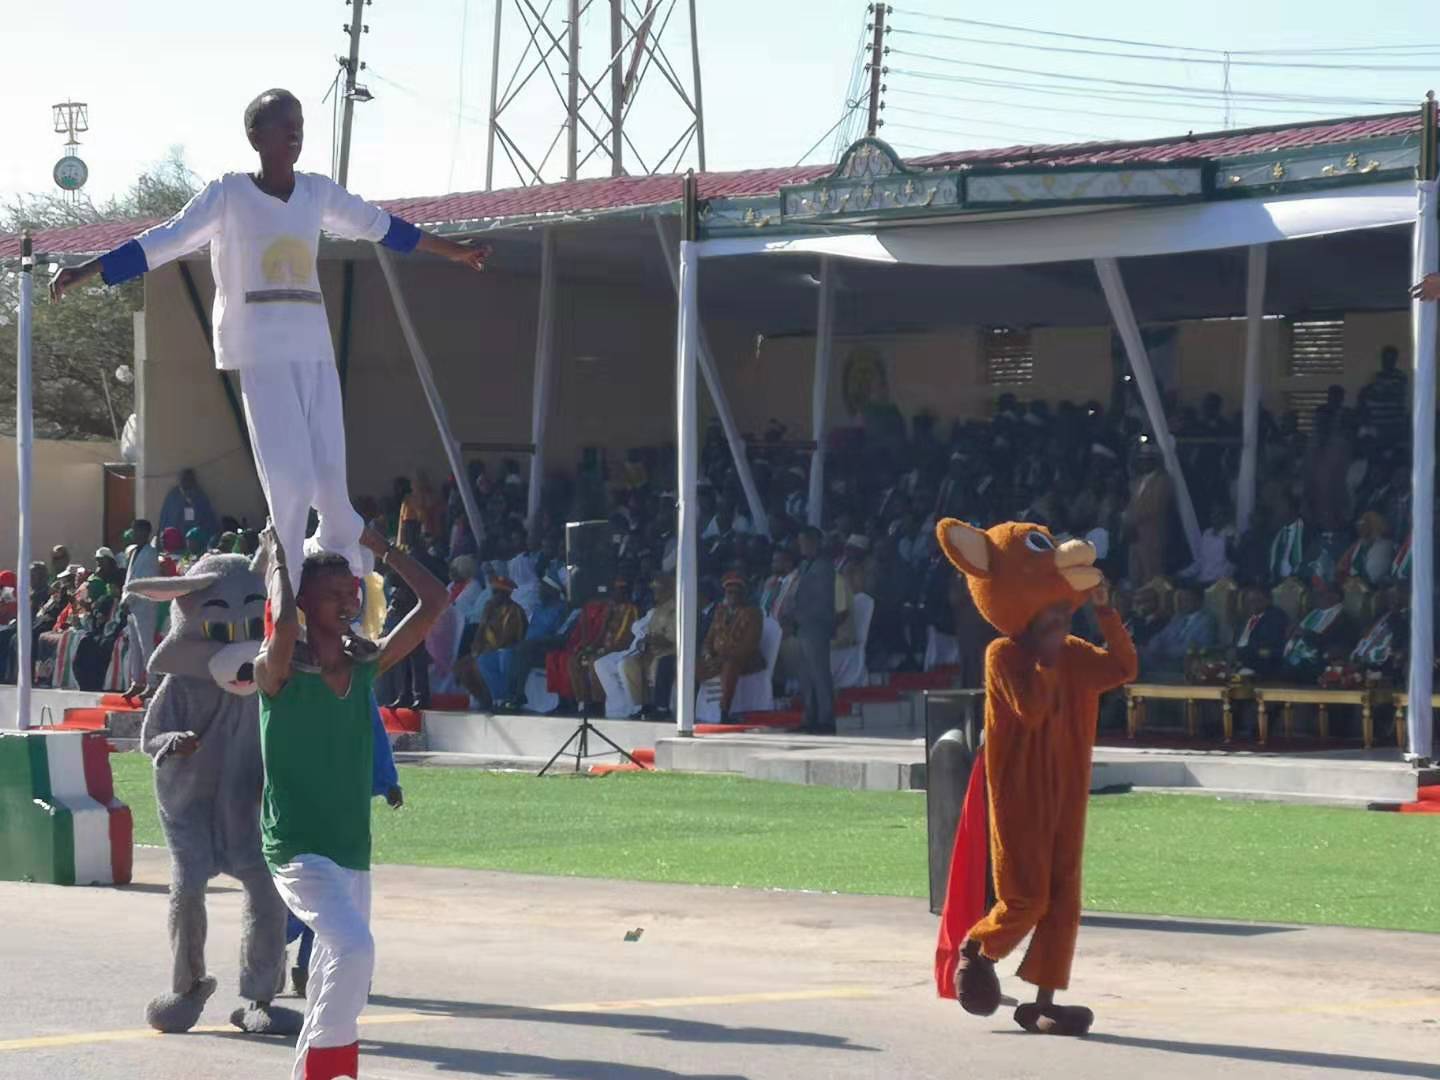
401,721
118,703
83,720
450,702
778,720
623,766
1427,803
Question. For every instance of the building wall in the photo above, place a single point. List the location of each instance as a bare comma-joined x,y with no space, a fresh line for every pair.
67,497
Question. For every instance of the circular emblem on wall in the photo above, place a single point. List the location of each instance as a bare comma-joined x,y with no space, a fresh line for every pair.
865,382
71,173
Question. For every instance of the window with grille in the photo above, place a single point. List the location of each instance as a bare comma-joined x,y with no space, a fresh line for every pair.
1303,404
1009,360
1317,347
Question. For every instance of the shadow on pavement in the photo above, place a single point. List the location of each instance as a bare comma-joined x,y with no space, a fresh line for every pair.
662,1027
1180,926
157,889
498,1063
1306,1059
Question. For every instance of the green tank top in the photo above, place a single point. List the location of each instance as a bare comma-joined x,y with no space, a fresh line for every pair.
318,750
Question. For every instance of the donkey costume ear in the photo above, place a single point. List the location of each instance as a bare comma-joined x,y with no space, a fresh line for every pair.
965,546
170,588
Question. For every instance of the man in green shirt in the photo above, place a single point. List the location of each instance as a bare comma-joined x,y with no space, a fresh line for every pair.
317,741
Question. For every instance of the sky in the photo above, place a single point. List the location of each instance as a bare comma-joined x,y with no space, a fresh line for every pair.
158,74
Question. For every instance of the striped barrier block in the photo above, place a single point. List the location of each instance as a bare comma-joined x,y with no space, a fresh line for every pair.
60,822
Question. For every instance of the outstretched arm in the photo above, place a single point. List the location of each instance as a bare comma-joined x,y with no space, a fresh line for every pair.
272,666
349,216
431,593
189,230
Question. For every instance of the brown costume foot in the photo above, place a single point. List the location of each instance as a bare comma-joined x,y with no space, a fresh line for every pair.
1054,1019
976,984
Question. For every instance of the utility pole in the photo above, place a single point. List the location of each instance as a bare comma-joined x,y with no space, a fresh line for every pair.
699,102
617,94
352,67
876,66
572,137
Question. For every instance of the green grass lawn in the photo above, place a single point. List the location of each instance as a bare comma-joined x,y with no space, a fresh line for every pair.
1147,854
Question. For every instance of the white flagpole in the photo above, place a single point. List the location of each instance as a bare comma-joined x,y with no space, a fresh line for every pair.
1422,546
687,448
24,447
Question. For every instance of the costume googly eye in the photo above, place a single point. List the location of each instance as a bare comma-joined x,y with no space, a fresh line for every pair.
1038,541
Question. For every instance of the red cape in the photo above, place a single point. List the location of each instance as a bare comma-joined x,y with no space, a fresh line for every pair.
969,869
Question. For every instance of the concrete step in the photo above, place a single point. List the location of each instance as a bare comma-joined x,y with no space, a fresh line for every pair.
124,723
527,736
838,769
1342,777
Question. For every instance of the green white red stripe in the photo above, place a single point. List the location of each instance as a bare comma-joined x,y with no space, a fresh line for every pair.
60,822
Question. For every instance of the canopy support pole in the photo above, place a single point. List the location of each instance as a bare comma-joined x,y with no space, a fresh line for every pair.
738,451
544,385
820,390
687,441
1421,717
1124,316
432,396
1254,324
24,447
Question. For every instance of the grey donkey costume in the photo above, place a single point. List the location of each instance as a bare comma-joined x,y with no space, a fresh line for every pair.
209,800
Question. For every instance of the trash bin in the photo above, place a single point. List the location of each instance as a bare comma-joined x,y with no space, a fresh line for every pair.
954,724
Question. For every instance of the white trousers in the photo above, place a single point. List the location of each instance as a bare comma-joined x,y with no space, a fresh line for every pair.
297,431
335,903
141,629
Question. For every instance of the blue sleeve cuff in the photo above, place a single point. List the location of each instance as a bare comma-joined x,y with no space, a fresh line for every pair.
401,236
124,263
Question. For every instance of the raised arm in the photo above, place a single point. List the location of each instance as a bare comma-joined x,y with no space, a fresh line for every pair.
432,596
1114,665
351,217
272,666
189,230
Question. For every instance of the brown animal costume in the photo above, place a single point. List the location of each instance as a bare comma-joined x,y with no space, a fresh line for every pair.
1039,734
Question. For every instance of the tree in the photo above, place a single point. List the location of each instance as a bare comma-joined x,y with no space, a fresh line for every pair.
78,345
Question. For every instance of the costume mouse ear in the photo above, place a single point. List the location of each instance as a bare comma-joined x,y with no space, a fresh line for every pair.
170,588
965,546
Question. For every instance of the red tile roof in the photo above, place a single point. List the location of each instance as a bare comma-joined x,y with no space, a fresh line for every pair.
625,192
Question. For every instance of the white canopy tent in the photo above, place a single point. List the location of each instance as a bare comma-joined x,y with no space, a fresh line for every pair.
1103,236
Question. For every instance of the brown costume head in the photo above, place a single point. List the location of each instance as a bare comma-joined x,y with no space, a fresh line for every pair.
1016,570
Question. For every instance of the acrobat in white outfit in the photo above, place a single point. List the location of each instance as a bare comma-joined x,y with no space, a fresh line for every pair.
269,315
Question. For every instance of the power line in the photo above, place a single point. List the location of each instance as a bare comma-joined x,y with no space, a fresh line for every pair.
984,123
459,91
1215,62
1099,95
1158,45
1047,107
1168,87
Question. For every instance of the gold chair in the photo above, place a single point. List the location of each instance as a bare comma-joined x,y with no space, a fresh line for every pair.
1222,601
1164,590
1358,599
1291,597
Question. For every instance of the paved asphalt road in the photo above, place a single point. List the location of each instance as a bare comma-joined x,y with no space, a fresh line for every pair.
500,975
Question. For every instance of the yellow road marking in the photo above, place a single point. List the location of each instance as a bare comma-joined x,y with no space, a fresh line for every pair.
43,1042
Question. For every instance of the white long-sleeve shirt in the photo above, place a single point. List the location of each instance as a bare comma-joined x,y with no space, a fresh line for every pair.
268,305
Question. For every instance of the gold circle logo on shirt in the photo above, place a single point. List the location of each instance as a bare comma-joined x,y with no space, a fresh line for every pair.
288,261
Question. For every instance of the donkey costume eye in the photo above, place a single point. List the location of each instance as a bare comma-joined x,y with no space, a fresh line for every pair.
1038,541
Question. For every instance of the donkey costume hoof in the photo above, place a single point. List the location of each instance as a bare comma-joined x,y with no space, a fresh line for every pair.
1054,1019
976,984
263,1018
174,1013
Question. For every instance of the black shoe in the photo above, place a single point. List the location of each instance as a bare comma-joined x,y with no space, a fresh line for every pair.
298,978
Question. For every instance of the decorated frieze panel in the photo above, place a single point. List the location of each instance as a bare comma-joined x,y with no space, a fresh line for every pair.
1077,185
1326,164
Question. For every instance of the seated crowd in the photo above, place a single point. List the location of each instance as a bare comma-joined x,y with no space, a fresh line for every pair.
1314,591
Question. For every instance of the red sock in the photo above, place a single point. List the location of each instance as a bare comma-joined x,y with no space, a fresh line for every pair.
331,1062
